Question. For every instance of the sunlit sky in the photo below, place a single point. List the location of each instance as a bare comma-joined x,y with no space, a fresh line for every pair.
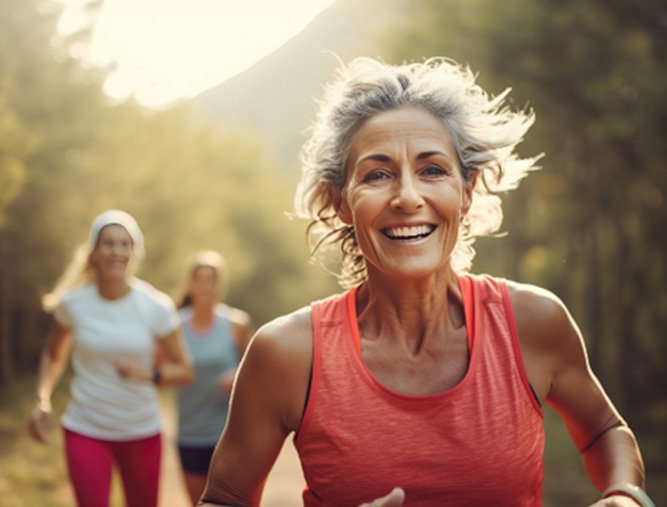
165,50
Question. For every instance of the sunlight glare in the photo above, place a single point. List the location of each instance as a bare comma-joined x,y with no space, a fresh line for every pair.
164,50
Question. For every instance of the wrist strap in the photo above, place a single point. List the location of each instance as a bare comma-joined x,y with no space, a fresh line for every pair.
634,492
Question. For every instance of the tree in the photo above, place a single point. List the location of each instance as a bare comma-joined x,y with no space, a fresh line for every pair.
70,153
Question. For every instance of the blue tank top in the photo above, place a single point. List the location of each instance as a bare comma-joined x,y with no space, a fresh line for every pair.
202,406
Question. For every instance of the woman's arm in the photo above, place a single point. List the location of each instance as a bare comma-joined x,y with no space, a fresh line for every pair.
172,364
52,364
558,368
266,406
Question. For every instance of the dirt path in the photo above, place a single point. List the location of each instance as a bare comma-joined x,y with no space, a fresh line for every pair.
283,487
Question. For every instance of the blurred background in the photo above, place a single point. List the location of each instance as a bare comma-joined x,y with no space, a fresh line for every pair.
214,164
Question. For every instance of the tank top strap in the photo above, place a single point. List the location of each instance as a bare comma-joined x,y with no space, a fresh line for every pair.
468,292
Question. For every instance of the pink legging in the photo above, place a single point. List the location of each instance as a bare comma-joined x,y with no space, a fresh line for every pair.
90,461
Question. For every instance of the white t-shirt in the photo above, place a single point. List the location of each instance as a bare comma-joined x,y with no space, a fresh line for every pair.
103,404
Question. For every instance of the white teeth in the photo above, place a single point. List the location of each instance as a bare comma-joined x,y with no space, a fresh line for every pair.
409,231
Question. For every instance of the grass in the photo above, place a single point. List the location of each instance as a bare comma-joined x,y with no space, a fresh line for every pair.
33,474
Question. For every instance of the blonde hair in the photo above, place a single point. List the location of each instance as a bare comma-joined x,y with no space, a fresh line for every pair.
80,270
485,133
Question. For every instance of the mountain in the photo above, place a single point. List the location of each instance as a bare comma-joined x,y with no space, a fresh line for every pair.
274,99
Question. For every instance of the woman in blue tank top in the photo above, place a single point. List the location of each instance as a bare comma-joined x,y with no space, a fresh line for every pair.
215,335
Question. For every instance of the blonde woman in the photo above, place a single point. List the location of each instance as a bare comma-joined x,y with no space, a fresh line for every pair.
216,335
124,339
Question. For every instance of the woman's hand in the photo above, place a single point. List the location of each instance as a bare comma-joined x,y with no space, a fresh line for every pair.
52,364
615,501
132,370
395,498
40,423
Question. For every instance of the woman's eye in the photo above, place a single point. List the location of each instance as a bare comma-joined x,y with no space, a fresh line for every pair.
375,175
434,171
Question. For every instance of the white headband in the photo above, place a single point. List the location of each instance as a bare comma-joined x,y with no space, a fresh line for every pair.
117,217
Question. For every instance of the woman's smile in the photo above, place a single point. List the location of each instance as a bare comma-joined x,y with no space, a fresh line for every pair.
405,194
408,232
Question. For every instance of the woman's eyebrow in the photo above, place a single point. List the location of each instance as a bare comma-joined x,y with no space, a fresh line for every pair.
377,157
428,154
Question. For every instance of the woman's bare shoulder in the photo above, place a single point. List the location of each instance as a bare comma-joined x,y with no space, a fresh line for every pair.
535,306
278,361
284,345
291,329
550,338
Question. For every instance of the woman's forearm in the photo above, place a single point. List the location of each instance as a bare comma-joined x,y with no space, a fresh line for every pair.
173,374
614,458
52,364
50,371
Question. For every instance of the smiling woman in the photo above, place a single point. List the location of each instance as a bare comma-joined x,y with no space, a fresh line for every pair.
165,50
404,160
422,384
124,337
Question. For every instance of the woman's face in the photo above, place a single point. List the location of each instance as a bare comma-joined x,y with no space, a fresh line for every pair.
203,288
404,193
112,252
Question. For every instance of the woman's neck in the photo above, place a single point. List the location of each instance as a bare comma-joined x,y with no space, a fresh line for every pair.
413,311
202,316
113,289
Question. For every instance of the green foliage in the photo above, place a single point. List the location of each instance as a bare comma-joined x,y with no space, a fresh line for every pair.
67,153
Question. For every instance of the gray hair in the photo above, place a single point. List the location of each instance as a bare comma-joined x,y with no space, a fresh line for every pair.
484,130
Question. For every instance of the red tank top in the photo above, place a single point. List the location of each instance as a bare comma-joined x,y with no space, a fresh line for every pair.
477,444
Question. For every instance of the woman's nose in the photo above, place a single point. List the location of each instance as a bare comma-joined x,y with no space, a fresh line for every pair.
407,197
119,249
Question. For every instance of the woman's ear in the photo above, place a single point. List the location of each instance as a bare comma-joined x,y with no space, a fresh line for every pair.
340,205
468,188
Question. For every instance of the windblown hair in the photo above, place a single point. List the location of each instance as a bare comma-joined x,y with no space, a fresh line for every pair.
78,272
484,130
